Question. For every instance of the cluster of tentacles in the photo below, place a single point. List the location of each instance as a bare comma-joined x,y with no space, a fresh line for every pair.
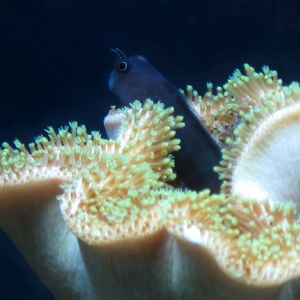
115,191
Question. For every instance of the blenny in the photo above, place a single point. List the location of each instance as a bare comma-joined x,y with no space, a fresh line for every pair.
133,78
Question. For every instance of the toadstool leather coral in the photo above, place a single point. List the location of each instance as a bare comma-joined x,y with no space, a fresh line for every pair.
97,219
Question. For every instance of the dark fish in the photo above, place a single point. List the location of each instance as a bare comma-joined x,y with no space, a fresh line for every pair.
133,78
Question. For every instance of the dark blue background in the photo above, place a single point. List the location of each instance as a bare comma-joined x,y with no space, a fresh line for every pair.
54,65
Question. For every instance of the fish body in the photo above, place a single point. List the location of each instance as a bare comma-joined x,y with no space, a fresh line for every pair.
133,78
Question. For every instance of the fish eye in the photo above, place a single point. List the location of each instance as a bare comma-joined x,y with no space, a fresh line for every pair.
123,67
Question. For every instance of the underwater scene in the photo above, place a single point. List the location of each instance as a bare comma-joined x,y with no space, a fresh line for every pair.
150,149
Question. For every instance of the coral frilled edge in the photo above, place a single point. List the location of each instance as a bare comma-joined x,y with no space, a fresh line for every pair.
117,189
